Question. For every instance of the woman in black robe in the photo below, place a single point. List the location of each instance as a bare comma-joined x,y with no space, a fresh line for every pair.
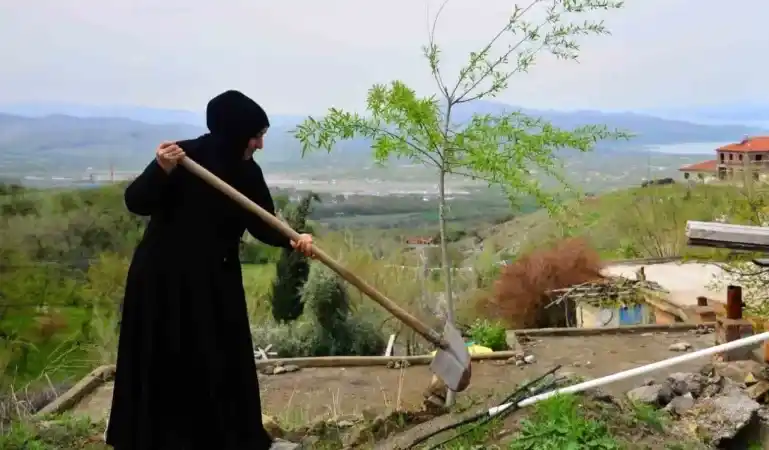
186,376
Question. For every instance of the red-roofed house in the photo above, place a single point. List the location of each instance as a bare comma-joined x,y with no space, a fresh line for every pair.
420,241
752,153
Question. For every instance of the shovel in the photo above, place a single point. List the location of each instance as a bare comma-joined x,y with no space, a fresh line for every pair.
452,359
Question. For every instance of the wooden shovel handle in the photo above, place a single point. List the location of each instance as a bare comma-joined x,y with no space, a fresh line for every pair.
319,254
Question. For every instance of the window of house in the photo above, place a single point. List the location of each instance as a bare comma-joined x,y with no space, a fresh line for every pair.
722,156
740,156
731,156
721,173
759,157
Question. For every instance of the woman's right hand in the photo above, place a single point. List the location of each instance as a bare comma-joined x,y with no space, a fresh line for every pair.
168,155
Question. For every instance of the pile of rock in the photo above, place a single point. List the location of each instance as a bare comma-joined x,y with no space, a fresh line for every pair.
703,329
402,364
278,368
521,359
309,435
716,403
680,346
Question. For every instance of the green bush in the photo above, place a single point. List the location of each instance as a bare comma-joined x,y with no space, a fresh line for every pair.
489,334
288,340
330,328
326,295
355,338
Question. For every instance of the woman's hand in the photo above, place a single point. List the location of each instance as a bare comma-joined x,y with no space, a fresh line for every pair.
168,155
304,244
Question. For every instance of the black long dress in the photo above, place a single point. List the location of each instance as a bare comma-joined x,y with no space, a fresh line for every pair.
186,377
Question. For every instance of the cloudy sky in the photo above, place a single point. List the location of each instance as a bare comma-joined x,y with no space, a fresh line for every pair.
303,56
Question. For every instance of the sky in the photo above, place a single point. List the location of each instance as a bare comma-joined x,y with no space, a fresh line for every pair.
304,56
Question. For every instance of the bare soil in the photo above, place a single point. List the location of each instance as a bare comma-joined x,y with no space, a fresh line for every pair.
312,393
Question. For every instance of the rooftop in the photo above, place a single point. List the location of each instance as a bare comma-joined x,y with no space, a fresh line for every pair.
710,166
420,240
749,144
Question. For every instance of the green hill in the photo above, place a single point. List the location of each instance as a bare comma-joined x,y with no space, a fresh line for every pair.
630,223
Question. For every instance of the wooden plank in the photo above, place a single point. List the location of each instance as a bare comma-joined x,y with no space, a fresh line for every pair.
722,235
363,361
79,391
628,329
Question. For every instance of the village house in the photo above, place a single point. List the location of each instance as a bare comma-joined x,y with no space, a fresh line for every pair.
420,240
732,160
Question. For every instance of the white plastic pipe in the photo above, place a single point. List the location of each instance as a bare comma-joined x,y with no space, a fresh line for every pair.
598,382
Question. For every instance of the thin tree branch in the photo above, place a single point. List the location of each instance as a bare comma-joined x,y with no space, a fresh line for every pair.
463,73
392,135
471,175
433,48
463,99
740,272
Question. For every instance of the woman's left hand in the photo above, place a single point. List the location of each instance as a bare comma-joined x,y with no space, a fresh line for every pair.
304,244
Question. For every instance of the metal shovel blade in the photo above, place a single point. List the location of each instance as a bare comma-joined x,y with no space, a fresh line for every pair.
452,364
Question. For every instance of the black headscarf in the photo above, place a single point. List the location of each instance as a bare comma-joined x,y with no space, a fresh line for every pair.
233,118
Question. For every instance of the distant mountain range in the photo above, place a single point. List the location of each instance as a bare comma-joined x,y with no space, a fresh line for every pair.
155,116
61,138
726,113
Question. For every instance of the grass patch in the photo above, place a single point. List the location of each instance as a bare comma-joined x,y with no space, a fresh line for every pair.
649,415
576,422
560,424
257,283
62,433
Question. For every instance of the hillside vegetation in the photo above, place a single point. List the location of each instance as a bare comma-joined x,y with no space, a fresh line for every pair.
639,222
64,254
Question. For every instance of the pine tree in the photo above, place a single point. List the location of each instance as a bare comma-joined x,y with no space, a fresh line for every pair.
292,267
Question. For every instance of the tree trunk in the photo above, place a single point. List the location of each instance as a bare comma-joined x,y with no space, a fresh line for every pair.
445,263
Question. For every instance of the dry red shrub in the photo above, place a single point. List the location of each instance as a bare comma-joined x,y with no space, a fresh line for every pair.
520,293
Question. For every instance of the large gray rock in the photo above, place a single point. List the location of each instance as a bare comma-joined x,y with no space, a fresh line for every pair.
680,405
680,347
723,416
655,394
280,444
683,382
742,371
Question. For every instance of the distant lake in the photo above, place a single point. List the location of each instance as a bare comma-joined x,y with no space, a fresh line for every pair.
695,148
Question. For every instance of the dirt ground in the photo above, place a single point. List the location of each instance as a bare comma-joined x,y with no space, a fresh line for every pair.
606,354
309,394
